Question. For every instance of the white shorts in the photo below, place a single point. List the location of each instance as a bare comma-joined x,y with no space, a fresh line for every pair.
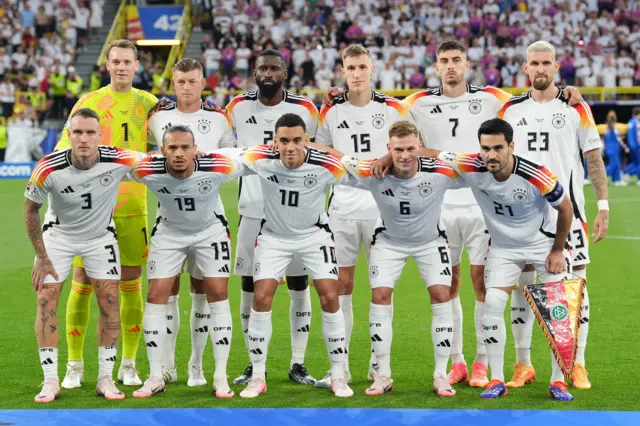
101,256
210,250
465,228
350,236
503,267
316,252
579,242
248,230
387,261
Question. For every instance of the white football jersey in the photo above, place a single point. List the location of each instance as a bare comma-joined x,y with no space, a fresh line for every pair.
556,135
254,124
211,126
294,198
81,202
409,208
451,124
188,205
518,212
362,133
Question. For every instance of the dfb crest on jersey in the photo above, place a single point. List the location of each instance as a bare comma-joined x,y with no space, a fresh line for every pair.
475,107
205,187
204,126
378,120
106,179
373,271
310,181
487,275
425,189
151,266
239,263
558,120
520,196
256,268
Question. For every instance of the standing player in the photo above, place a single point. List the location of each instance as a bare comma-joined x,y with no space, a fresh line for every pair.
187,224
254,115
356,124
82,186
294,180
212,129
633,140
551,132
123,113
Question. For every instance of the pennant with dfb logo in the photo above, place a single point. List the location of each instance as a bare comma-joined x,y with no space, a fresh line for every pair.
558,309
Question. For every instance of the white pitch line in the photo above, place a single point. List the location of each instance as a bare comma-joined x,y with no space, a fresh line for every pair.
621,200
622,237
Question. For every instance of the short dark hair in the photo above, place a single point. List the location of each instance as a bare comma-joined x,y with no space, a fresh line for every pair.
448,45
178,128
635,111
496,126
271,52
290,120
86,113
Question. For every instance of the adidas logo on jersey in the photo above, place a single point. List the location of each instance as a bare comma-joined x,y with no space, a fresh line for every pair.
522,122
273,178
343,125
252,120
223,341
164,190
436,110
388,193
304,329
224,269
113,271
446,271
444,344
67,190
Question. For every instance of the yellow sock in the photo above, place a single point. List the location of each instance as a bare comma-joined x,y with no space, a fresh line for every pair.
78,312
131,311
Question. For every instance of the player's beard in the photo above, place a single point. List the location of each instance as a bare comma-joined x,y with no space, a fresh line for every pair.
269,90
542,85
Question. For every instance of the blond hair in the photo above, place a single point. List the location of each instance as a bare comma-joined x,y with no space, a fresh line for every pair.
541,46
187,64
123,44
401,129
355,50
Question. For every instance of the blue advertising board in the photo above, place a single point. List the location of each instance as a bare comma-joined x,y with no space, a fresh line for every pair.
16,170
160,22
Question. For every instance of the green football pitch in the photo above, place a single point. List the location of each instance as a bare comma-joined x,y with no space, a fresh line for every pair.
612,357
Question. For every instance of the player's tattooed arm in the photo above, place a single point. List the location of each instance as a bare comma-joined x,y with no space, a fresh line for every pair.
598,178
43,266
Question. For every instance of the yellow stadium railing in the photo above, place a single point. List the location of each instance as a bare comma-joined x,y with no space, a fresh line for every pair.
183,35
118,31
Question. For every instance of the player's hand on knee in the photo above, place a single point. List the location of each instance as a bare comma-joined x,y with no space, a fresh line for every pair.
601,226
382,166
573,95
330,94
555,262
42,268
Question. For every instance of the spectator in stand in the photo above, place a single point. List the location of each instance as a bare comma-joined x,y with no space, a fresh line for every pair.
74,89
243,54
211,58
57,90
7,96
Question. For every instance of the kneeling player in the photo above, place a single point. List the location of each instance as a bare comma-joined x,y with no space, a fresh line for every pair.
294,181
187,223
409,200
82,187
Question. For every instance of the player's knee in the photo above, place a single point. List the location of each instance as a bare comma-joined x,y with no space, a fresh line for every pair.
381,296
158,294
175,290
439,294
262,302
477,279
80,276
329,300
197,286
130,273
247,284
298,283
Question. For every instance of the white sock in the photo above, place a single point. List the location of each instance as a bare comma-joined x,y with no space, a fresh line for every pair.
49,362
173,325
584,321
106,360
441,335
556,372
77,364
128,361
246,304
154,324
481,348
300,323
199,322
373,359
221,331
259,336
456,343
333,334
522,319
346,305
494,331
381,334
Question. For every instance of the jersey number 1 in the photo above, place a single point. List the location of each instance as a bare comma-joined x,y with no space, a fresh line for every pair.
125,127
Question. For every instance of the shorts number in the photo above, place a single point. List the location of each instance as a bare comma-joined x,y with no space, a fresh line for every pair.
579,238
365,142
112,252
533,140
405,208
268,136
444,256
500,209
189,204
329,252
291,200
87,201
224,248
455,122
144,232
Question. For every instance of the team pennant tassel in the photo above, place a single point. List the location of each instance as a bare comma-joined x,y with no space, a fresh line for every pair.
557,307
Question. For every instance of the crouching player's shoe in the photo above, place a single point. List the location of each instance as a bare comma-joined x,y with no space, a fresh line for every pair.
50,391
380,385
459,373
495,389
254,389
298,373
245,377
341,389
522,375
578,377
559,392
152,386
441,386
221,388
128,375
478,375
107,387
74,376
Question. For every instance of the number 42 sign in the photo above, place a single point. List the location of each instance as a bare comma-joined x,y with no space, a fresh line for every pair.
160,22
